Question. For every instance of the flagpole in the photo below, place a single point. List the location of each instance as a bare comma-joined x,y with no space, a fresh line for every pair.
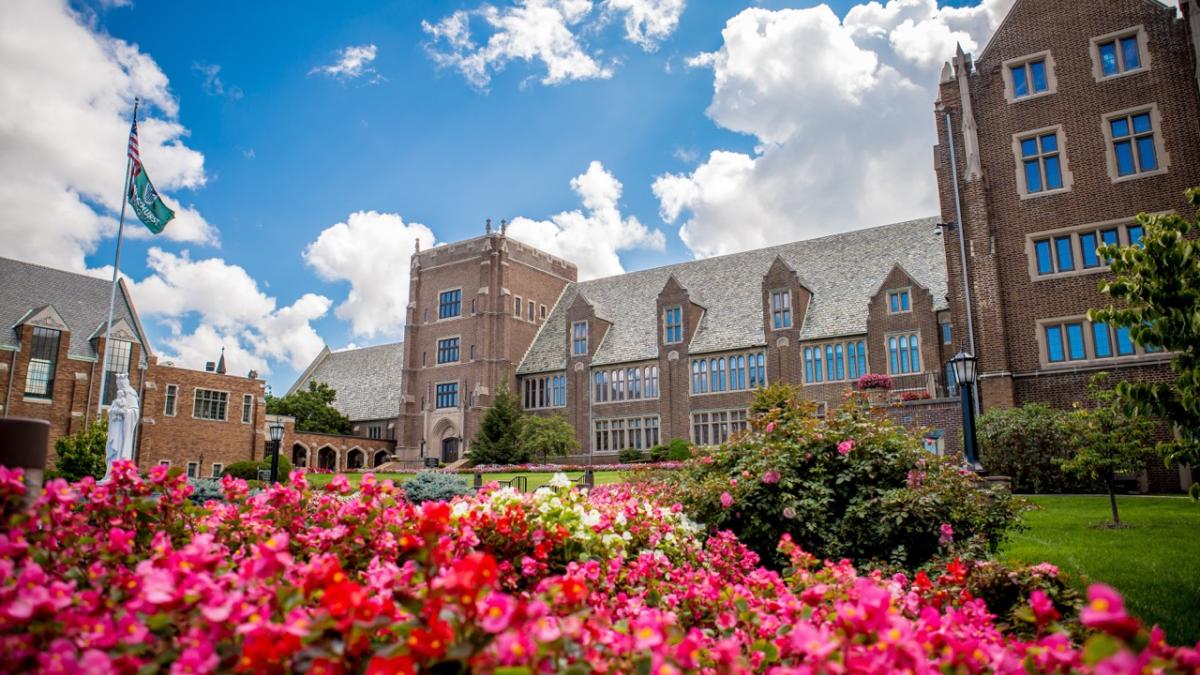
112,296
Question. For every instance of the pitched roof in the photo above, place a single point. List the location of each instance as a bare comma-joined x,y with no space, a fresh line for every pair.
367,380
81,302
843,271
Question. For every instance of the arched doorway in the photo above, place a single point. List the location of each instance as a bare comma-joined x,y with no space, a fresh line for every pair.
450,450
299,455
381,456
354,459
327,458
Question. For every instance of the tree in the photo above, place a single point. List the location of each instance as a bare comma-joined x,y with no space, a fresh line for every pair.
496,442
1158,286
312,409
82,454
545,437
1108,441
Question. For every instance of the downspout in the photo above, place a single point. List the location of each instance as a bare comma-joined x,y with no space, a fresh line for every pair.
962,246
12,374
91,383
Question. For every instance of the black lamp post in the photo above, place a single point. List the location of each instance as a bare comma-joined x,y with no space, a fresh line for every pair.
964,372
276,431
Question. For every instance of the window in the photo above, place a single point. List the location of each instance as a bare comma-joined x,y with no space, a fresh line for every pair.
1062,253
43,358
426,315
542,312
193,469
835,361
446,395
209,405
1119,53
651,388
164,462
579,338
546,391
1134,146
247,406
1077,250
169,404
714,428
1041,167
1135,233
447,350
1029,78
118,362
1077,339
450,304
217,469
374,432
904,354
517,307
474,307
733,372
898,302
472,352
781,309
529,313
613,435
947,334
673,321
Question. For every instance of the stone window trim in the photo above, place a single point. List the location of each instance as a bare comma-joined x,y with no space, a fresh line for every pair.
551,385
604,432
217,468
579,339
666,327
164,462
170,400
647,372
1110,155
457,315
786,312
196,392
1140,355
1068,179
193,469
1143,40
542,312
517,305
1120,224
920,351
860,341
708,423
1051,77
752,357
437,349
887,297
247,405
456,394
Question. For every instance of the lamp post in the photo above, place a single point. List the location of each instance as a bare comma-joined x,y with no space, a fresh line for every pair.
276,431
964,372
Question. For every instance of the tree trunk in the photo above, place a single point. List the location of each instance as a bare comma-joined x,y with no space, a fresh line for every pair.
1112,499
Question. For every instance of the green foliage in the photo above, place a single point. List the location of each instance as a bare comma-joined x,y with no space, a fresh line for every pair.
428,486
1006,589
1108,440
882,500
1026,444
496,442
312,409
546,436
249,470
778,396
82,454
659,453
679,450
1157,289
629,455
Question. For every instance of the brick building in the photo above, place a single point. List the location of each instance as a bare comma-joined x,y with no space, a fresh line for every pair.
1073,119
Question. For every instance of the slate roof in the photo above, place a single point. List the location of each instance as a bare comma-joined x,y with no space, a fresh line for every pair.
81,301
367,380
843,271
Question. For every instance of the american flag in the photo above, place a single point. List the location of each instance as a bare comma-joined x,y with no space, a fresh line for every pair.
133,143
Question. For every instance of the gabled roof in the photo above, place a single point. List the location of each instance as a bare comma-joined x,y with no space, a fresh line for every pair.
30,292
1015,8
367,380
841,270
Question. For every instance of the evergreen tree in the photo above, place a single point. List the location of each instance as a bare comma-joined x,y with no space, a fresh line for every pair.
496,442
312,409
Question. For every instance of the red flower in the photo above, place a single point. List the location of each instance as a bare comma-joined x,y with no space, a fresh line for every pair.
432,642
471,573
343,598
391,665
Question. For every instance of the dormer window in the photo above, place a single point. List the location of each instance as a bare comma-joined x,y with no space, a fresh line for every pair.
579,338
43,357
781,309
673,325
898,302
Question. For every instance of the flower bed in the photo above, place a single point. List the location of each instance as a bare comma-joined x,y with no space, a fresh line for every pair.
131,577
568,468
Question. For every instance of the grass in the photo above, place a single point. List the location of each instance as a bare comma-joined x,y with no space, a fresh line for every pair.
1154,561
536,480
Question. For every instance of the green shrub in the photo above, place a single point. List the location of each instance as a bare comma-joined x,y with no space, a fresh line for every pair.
1006,589
1028,444
83,453
659,453
206,489
878,499
430,486
628,455
249,470
496,442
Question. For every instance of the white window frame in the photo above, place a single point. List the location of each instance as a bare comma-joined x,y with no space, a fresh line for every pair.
1143,42
164,462
894,291
173,401
196,391
217,468
193,470
247,408
1010,92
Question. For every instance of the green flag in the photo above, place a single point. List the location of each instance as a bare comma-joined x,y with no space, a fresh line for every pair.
146,203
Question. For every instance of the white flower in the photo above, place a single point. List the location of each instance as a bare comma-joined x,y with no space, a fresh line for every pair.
559,480
460,509
591,518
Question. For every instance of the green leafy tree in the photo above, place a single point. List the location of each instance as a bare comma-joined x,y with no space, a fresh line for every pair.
1157,286
82,454
1028,444
1108,440
496,442
312,409
545,437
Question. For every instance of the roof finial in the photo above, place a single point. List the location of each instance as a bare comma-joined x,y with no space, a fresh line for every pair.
489,225
418,245
221,362
503,226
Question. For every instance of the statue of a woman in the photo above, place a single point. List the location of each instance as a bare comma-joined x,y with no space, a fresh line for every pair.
123,415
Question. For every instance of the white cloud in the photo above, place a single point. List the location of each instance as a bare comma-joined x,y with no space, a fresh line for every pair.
64,123
213,85
371,250
352,62
841,111
231,311
546,31
593,239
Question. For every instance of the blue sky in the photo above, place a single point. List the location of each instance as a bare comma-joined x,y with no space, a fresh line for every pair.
768,132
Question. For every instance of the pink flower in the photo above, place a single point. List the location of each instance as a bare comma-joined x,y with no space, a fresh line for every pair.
726,500
771,477
120,541
770,427
789,512
496,611
1106,612
946,536
1043,608
845,447
340,484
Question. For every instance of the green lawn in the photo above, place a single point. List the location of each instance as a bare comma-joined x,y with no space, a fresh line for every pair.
1154,562
536,480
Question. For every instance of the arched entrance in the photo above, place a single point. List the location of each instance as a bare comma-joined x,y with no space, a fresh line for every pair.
327,458
355,459
450,450
381,456
299,455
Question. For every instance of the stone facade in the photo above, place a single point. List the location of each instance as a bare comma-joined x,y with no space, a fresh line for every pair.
1062,72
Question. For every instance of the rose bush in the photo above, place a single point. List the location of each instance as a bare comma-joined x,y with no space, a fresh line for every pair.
132,577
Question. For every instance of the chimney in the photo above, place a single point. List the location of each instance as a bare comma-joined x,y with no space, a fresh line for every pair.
210,367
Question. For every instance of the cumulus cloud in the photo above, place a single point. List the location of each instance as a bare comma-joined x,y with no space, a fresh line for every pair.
370,250
212,83
591,237
352,63
841,111
64,123
546,31
231,312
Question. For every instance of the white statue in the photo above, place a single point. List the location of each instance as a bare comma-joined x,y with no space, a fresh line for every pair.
123,415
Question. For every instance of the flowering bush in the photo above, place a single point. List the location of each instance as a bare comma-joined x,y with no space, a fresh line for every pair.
915,395
874,381
568,468
853,485
131,577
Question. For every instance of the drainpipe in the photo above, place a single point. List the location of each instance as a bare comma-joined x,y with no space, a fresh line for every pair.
962,246
12,374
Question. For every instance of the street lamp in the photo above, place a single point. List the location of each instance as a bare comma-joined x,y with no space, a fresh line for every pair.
276,431
964,373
